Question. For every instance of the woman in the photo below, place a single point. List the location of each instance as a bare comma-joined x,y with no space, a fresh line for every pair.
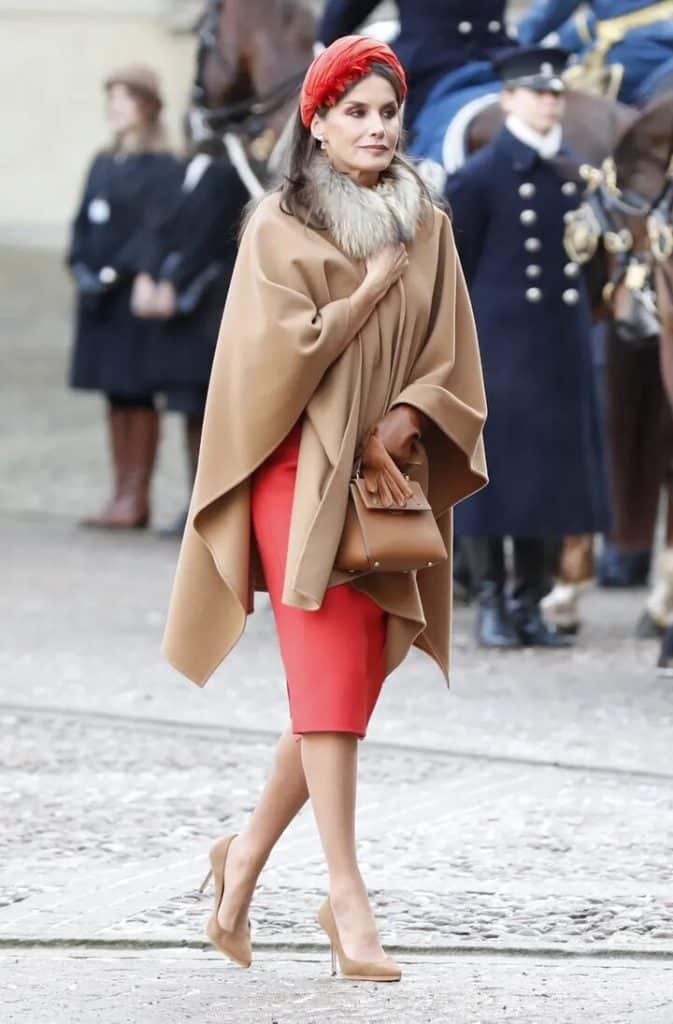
124,185
347,331
186,272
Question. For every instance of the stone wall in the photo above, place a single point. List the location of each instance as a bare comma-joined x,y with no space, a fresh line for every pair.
53,57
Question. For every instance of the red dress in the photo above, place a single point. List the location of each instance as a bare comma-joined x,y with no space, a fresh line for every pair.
334,658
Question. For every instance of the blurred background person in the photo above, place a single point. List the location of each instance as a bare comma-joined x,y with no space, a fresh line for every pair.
435,38
186,270
124,185
533,318
627,43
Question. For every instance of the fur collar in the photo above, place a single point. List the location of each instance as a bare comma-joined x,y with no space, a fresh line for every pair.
363,220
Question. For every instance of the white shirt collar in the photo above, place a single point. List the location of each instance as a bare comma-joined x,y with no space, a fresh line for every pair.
546,145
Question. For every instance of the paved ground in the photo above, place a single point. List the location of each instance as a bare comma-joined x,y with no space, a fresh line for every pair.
516,831
182,986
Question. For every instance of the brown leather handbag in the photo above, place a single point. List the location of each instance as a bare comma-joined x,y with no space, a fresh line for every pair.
388,538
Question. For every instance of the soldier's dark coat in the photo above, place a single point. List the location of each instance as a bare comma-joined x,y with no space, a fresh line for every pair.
120,198
533,320
435,36
194,246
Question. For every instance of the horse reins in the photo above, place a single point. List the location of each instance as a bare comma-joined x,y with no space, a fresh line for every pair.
238,111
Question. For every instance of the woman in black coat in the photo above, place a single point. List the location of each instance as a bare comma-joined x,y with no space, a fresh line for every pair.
124,185
189,259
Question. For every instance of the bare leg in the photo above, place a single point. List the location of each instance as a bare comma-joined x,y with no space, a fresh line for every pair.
282,798
330,768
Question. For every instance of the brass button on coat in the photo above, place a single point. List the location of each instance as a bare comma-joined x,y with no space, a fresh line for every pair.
494,26
532,245
571,269
528,217
527,190
571,296
533,270
533,294
569,188
464,27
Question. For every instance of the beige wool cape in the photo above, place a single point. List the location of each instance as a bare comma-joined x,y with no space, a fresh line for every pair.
286,349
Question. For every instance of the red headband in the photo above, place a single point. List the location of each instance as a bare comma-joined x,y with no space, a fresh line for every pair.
338,66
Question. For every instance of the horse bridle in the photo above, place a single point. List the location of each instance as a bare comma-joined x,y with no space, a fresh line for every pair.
239,112
597,218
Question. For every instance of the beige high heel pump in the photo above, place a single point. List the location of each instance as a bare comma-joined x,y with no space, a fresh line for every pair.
235,945
354,970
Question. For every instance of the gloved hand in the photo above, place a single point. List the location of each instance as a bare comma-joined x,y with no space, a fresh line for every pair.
381,474
399,430
88,281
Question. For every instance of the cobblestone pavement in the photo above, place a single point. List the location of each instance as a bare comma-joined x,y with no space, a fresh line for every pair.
530,808
111,821
160,988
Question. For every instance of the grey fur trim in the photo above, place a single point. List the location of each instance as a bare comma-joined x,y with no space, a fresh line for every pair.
363,220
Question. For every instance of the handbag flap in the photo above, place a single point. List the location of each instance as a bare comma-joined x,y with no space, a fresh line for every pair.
416,503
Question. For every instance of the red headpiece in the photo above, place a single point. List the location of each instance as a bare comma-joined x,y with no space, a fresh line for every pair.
338,66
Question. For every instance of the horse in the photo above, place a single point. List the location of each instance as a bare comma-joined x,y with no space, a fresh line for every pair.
251,58
635,219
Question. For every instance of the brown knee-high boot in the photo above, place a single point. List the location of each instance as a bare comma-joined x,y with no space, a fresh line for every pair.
134,432
118,438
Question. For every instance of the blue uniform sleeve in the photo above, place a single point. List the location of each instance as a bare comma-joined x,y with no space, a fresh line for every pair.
469,216
570,37
343,17
544,17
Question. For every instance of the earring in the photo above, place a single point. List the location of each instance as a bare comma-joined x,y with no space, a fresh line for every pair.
321,140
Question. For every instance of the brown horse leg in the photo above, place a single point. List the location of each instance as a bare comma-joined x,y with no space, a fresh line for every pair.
639,442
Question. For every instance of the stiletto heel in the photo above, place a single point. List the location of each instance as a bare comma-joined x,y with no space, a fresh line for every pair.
235,945
354,970
334,964
204,883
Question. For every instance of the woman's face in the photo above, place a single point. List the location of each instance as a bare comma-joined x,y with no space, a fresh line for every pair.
123,110
362,130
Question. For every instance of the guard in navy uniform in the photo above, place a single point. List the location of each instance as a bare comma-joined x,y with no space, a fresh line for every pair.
636,35
189,260
532,311
436,36
124,186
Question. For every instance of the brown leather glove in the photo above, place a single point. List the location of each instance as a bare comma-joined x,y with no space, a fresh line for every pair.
381,474
399,430
389,446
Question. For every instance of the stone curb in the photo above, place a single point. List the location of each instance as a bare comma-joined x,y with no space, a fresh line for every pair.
271,736
557,952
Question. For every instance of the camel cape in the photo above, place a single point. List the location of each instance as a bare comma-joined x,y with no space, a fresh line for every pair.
286,349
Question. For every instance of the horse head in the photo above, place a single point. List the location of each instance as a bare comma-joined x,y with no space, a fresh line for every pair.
633,205
251,58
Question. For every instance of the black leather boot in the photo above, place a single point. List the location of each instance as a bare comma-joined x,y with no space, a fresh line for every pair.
531,628
494,625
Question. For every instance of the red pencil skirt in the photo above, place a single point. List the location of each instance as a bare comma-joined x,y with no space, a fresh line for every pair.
334,658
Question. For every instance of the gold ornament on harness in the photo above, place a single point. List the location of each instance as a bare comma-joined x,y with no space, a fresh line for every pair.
582,234
592,176
618,241
636,275
660,235
262,145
